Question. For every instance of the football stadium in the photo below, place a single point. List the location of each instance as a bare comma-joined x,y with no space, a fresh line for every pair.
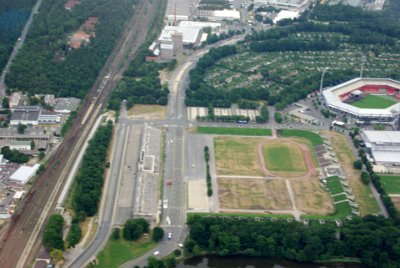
367,100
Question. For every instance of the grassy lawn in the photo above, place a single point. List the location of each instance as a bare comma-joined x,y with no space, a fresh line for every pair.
341,211
391,183
120,251
234,131
334,185
311,136
283,157
237,156
374,102
340,197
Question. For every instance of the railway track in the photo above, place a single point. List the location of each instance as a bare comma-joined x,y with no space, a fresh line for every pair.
21,238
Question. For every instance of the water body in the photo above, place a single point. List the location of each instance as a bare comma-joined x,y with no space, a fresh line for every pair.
252,262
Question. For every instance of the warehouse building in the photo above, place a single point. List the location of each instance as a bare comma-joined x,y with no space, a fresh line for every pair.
383,146
24,173
191,36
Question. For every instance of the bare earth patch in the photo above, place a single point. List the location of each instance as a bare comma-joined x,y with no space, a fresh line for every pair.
253,194
396,202
148,112
310,197
198,199
362,193
237,156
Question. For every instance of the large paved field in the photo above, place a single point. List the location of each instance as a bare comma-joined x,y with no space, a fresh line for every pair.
375,102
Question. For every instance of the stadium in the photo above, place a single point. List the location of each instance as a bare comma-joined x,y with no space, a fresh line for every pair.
367,100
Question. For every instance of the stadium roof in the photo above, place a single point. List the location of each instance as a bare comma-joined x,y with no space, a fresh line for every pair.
24,173
381,137
332,99
386,156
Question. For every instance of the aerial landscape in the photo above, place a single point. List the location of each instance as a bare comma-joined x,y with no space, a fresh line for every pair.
199,133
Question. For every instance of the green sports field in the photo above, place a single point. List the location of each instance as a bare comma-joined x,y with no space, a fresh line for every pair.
375,102
391,183
234,131
284,157
314,138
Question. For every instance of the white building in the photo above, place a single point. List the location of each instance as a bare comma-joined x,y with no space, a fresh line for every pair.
214,26
24,173
49,117
286,14
190,35
384,146
287,4
219,15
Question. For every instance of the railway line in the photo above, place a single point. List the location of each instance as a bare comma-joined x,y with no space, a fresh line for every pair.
21,238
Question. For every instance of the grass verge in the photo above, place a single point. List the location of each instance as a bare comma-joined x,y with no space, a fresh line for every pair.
314,138
391,183
234,131
117,252
242,215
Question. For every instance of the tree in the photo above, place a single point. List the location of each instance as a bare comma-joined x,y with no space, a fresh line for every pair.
5,103
278,117
365,177
177,252
357,164
57,255
74,235
158,234
116,234
154,263
41,155
134,228
33,144
52,235
21,128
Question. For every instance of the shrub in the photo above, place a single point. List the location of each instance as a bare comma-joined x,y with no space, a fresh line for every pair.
158,234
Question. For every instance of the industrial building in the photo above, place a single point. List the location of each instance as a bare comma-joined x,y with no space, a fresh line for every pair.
190,35
286,14
219,15
178,10
25,115
49,117
66,105
285,4
383,146
24,173
338,99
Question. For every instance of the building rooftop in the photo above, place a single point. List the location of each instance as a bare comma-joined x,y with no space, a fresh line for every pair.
25,115
24,173
285,14
67,105
190,35
382,137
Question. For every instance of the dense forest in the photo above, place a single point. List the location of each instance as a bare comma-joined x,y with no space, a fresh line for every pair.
373,240
13,16
335,28
46,64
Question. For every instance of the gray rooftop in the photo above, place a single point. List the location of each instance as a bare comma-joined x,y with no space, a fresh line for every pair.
25,115
67,104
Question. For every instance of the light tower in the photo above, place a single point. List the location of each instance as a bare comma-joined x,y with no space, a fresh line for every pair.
322,81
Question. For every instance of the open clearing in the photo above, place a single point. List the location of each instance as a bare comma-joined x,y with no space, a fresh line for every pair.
255,194
237,156
310,197
375,102
149,112
362,192
283,156
391,183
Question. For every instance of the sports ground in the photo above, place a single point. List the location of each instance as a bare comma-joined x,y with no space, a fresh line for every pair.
375,102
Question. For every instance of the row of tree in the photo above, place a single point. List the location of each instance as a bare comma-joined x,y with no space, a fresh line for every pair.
374,240
46,63
53,231
14,155
208,174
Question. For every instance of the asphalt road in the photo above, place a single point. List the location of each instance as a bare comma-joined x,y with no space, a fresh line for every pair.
106,216
17,47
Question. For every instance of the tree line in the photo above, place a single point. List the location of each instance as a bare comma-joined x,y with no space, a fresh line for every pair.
46,63
372,239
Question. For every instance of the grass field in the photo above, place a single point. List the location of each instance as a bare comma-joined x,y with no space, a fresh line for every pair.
283,157
148,111
340,197
391,183
374,102
253,194
234,131
314,138
237,156
117,252
334,185
341,211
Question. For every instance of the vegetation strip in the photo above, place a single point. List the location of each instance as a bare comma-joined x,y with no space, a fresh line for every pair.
314,138
209,182
234,131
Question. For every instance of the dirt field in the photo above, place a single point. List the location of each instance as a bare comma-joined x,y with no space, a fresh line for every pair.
237,156
396,202
310,197
149,112
362,193
256,194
